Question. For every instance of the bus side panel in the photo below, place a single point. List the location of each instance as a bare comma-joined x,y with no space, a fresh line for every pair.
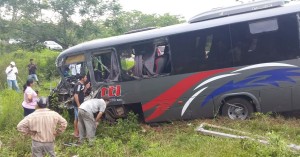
161,95
276,99
200,111
131,92
296,97
172,113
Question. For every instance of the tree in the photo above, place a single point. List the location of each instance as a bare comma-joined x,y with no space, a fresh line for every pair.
94,19
127,21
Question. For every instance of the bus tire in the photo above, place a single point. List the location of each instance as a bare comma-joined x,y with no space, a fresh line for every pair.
237,108
109,118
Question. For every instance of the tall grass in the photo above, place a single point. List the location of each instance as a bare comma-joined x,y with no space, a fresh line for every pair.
45,61
10,109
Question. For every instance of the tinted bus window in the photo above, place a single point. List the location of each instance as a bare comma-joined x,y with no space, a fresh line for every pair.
265,41
202,50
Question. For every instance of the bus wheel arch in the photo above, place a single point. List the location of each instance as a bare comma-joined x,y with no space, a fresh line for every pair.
238,106
114,112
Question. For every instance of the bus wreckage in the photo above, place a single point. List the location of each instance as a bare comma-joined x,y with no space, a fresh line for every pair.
231,62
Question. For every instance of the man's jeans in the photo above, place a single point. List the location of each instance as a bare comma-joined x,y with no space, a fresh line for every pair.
33,76
13,84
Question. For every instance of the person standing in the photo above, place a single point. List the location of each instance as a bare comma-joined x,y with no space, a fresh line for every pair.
43,125
78,98
87,123
11,72
32,71
30,98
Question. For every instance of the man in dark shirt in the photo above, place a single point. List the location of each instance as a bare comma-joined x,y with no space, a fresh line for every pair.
32,71
79,91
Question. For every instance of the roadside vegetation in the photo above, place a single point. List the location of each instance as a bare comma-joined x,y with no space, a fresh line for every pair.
129,138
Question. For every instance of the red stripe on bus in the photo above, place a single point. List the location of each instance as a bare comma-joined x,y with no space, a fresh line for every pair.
176,91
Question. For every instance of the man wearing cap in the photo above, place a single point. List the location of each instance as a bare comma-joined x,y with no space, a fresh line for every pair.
87,123
11,72
43,125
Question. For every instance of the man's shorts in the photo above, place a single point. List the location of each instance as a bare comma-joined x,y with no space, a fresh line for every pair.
76,113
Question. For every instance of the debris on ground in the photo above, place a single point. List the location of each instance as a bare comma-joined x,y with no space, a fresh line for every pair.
238,135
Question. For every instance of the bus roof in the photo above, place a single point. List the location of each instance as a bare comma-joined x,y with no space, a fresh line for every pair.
177,29
238,9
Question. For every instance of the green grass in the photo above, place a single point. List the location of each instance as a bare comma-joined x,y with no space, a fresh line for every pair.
130,139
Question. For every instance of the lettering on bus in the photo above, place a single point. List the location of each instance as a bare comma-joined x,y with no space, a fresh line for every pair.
111,91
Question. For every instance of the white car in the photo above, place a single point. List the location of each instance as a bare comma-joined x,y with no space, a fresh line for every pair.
52,45
15,41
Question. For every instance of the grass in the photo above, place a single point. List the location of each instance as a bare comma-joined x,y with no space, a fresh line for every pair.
128,138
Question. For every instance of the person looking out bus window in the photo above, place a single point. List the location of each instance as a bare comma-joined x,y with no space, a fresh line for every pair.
78,98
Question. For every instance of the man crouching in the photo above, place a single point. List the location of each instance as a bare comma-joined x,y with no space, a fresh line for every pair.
43,125
87,123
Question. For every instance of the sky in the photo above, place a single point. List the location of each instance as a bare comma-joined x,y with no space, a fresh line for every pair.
185,8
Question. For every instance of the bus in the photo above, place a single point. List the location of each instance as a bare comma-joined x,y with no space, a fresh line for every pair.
231,61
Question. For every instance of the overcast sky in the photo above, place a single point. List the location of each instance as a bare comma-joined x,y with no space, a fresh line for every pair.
186,8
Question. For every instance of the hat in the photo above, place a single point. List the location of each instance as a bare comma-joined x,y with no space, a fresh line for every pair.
42,102
12,63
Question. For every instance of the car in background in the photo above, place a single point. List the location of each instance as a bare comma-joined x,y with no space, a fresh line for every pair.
52,45
15,41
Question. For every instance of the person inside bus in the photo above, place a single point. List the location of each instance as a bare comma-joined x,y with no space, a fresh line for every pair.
144,60
218,55
97,74
236,53
161,59
66,71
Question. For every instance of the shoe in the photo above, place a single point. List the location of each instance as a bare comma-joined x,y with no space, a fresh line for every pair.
78,143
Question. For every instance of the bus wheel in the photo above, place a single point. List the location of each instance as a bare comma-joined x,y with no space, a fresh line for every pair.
110,119
237,108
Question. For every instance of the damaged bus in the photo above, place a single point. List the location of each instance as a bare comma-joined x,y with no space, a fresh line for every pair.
231,62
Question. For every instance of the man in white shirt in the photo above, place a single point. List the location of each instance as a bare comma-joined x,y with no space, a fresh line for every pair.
11,72
87,123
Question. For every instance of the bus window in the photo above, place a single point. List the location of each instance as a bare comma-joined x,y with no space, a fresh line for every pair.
145,60
127,63
201,50
74,65
162,62
185,55
105,67
253,43
263,26
208,44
